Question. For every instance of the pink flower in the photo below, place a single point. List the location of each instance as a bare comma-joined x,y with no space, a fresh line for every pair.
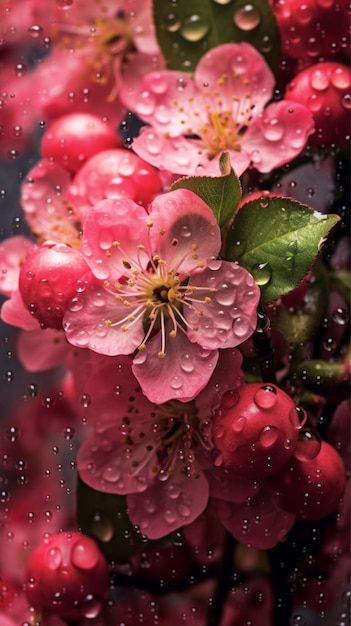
157,290
154,454
222,108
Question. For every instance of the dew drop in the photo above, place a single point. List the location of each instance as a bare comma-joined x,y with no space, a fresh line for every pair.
239,424
35,31
91,607
273,130
111,474
85,400
83,556
308,446
261,273
194,28
268,436
186,363
172,23
230,399
346,101
54,558
266,397
247,17
64,4
340,316
319,80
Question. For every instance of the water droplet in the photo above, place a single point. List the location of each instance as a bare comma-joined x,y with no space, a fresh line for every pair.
186,363
64,4
173,491
230,399
308,446
68,433
319,80
91,607
33,390
172,23
35,31
85,400
298,416
111,474
194,28
273,130
247,17
176,382
266,397
12,433
222,2
261,273
54,558
169,516
84,556
340,316
346,101
268,436
239,424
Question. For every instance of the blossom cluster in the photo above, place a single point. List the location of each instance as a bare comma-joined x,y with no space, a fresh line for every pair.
173,275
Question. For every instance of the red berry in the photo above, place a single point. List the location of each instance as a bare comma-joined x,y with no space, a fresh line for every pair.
115,174
313,482
325,88
48,281
255,429
74,138
313,30
67,575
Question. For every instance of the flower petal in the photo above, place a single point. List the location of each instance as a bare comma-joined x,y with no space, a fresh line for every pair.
169,504
184,230
181,374
95,319
107,463
228,317
239,70
278,135
179,155
113,230
259,523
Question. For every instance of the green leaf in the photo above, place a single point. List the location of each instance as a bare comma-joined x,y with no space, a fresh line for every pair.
186,30
103,516
276,239
221,193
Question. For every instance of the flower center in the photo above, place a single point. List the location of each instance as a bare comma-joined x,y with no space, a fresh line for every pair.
158,295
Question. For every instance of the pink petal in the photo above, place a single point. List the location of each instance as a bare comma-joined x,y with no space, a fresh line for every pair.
14,312
229,318
181,374
164,100
169,504
176,154
247,76
43,198
13,252
40,350
184,230
113,229
108,464
87,322
132,75
278,135
227,375
116,392
259,523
